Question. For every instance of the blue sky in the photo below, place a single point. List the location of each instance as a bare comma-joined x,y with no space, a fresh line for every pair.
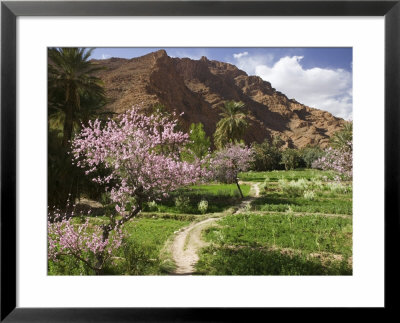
318,77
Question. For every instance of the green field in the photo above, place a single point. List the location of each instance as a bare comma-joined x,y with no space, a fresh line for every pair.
276,175
287,230
300,224
219,197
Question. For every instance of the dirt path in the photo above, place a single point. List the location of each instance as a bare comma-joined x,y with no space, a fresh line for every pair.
188,241
254,193
186,245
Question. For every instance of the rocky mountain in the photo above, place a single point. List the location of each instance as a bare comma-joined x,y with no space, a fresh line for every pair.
200,87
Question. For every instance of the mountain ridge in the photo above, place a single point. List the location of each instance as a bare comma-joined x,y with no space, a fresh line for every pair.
198,88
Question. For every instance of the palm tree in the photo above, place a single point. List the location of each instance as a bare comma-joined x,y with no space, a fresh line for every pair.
232,126
70,81
342,138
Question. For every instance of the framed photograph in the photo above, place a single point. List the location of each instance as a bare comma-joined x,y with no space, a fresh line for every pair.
178,160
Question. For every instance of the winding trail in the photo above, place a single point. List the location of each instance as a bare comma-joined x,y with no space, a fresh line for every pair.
188,241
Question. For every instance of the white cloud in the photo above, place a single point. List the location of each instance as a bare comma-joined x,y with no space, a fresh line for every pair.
248,63
105,56
321,88
239,55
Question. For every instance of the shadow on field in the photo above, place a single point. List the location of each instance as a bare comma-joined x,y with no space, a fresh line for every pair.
247,261
278,203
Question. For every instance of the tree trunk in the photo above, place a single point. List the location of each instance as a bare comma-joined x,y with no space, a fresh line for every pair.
68,124
240,191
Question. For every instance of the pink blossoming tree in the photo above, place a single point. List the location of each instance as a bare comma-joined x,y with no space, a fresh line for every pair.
81,241
142,154
339,160
231,160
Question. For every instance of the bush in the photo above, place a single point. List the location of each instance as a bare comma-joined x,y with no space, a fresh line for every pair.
294,188
317,184
310,154
338,188
152,206
202,206
266,156
291,158
309,195
182,203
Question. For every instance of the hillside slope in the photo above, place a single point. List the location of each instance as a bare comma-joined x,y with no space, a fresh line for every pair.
200,87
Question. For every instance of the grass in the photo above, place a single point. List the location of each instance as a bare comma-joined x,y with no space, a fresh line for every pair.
279,235
309,233
145,239
281,203
219,197
278,244
139,254
247,261
286,174
290,239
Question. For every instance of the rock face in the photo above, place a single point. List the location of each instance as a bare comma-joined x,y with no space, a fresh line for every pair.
200,87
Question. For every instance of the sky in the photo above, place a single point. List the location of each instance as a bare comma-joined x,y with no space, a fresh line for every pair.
318,77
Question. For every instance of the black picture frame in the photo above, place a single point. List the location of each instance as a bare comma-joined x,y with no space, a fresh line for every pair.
10,10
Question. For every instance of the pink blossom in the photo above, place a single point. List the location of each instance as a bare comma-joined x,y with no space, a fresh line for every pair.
338,160
231,160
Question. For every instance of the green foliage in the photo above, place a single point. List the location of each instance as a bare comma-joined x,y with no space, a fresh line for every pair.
219,197
203,206
139,254
199,144
280,203
65,181
151,206
342,138
74,94
309,195
146,238
232,125
293,188
286,231
267,156
339,188
310,154
291,158
248,261
182,203
69,266
278,244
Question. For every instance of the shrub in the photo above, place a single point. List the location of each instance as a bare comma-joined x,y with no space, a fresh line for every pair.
198,145
153,206
202,206
317,184
310,154
266,156
294,188
338,187
291,158
182,203
309,195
